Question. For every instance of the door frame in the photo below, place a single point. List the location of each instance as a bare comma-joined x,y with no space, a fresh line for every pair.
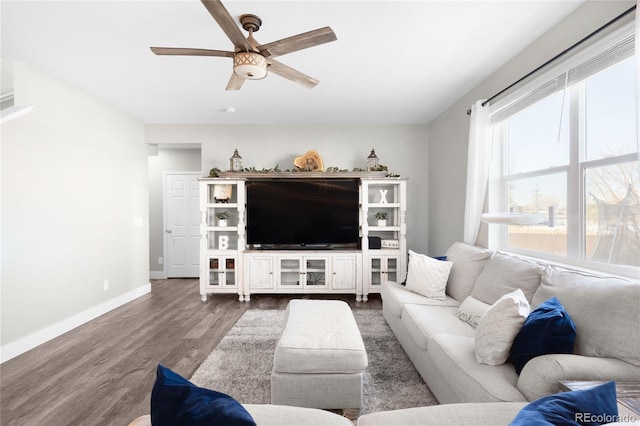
165,239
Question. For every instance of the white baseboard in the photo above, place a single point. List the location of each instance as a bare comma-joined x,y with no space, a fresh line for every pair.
26,343
157,275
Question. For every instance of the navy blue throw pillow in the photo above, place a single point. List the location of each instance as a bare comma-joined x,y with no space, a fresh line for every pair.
547,330
593,406
175,401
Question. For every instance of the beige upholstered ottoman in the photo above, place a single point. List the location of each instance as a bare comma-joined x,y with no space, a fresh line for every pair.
320,358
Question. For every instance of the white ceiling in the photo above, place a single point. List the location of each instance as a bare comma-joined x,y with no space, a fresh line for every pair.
394,61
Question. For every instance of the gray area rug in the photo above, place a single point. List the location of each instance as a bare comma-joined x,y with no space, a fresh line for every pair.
241,364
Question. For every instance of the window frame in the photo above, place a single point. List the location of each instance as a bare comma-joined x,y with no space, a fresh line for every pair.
576,172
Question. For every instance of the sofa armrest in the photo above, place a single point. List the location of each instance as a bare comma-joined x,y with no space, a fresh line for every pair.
541,375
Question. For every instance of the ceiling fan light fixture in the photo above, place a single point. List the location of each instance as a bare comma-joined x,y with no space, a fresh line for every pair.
250,65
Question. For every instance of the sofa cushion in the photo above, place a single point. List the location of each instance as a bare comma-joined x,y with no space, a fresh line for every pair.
472,382
471,310
175,400
423,321
468,261
499,326
606,312
569,408
548,330
395,296
427,276
503,274
474,414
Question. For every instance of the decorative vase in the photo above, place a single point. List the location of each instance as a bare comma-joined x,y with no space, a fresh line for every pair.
382,222
222,222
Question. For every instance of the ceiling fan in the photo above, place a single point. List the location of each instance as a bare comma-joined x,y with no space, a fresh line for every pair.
251,59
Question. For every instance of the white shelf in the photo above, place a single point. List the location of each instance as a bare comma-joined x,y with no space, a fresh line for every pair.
230,206
383,205
222,228
384,228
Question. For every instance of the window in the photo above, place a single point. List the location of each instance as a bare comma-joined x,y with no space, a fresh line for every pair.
569,149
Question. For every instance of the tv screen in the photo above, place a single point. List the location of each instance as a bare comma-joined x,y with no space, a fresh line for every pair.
302,213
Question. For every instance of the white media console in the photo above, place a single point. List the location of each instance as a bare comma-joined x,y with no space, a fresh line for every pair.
229,265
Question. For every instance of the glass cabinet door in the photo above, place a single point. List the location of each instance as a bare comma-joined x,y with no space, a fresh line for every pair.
391,266
290,271
214,272
376,272
222,272
300,272
315,272
229,279
383,268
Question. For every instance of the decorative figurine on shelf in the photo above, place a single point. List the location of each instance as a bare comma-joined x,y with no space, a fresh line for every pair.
309,162
235,162
222,193
373,161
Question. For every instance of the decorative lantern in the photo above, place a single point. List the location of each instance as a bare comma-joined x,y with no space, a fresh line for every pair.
372,160
235,162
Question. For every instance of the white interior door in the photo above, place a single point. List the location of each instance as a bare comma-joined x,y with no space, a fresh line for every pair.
182,224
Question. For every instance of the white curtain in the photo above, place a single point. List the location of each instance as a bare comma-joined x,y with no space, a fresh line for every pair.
478,165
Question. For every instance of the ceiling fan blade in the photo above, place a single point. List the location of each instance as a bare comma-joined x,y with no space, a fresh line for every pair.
190,52
235,82
294,75
226,22
297,42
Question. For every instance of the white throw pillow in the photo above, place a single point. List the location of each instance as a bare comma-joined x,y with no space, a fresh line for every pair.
471,310
504,273
499,326
468,262
428,276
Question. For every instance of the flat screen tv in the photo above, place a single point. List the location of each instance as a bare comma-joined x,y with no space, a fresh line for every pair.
303,213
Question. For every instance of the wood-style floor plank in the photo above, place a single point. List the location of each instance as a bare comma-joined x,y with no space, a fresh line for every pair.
102,372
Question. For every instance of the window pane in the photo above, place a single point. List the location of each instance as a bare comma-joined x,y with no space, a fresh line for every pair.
611,112
612,228
539,135
543,194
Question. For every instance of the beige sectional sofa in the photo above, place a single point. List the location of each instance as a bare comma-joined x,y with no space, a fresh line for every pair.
439,337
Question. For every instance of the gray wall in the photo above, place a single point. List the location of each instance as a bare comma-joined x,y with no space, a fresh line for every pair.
448,133
161,161
402,148
74,209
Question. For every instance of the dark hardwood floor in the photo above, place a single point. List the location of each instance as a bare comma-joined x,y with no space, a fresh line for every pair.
102,372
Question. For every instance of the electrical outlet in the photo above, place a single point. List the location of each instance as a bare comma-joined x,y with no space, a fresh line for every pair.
105,284
160,261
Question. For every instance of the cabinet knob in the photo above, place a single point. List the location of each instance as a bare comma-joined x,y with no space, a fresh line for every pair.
168,231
